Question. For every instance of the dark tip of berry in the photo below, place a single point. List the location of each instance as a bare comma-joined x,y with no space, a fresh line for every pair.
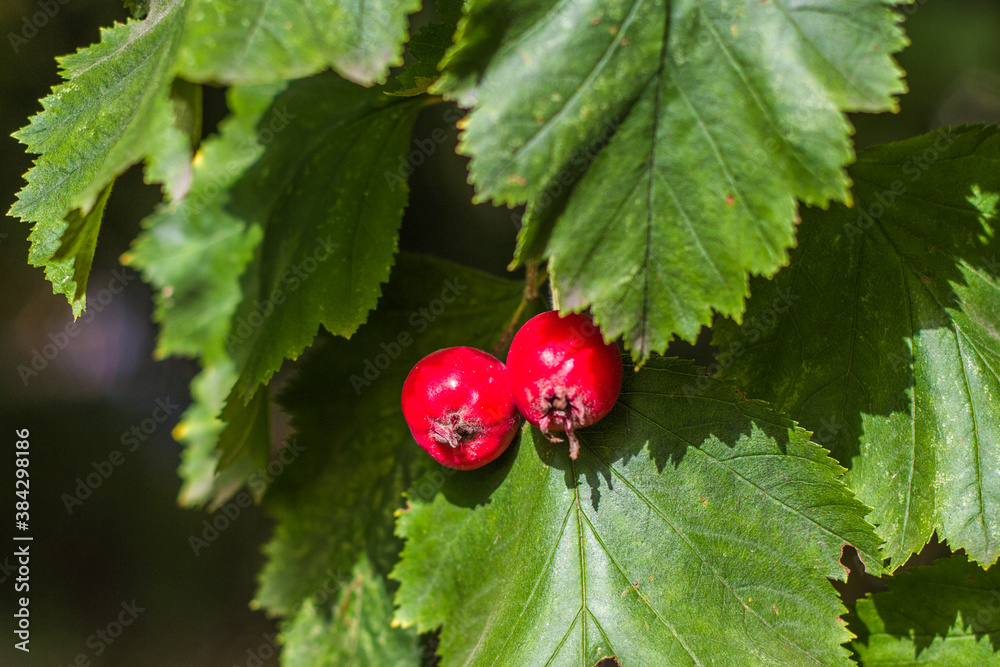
453,430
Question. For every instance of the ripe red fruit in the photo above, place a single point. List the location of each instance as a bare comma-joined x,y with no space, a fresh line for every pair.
562,374
458,406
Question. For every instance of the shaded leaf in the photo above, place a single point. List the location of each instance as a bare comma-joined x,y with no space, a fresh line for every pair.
198,430
79,241
882,336
356,634
247,433
194,251
322,260
944,615
428,47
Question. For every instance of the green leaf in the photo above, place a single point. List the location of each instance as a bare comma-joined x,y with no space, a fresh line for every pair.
193,251
265,41
199,430
113,111
325,192
357,635
186,98
696,125
882,337
944,615
428,47
248,430
79,241
337,501
692,530
137,8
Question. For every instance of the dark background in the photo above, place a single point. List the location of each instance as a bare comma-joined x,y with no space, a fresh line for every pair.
129,540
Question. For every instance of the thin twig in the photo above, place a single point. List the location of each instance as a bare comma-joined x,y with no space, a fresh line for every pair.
533,280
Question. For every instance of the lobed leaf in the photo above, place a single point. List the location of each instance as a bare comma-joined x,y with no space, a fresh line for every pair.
330,216
882,336
113,111
193,251
290,224
692,530
661,146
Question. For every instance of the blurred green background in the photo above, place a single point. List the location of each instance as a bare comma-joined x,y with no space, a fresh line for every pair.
129,540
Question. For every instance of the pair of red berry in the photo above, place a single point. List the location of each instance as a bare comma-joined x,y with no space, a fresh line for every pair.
461,404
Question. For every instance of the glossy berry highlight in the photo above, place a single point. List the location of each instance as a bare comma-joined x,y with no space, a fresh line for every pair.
458,406
562,374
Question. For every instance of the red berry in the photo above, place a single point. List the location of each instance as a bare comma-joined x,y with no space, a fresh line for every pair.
562,374
458,406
